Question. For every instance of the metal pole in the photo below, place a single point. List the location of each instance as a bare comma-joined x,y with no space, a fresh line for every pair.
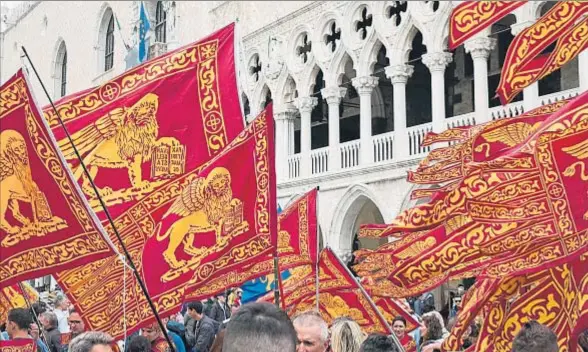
276,282
39,326
374,307
103,205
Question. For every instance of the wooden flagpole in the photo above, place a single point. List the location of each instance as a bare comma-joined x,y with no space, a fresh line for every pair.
103,205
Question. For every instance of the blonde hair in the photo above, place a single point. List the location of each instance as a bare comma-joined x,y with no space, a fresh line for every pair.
346,336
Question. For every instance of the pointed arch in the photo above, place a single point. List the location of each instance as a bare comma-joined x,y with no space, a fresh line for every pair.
59,69
105,40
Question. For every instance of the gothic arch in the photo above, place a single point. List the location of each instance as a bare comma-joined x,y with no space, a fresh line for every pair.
369,55
337,68
346,213
103,18
405,43
59,54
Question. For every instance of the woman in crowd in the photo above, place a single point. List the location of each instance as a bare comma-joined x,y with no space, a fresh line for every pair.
399,327
432,332
346,336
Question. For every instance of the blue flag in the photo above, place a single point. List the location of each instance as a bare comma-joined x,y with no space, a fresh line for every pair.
143,29
257,288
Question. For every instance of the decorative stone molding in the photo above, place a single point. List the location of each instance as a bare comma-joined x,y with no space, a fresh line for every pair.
333,95
288,113
365,84
306,104
436,62
345,255
480,48
275,62
399,73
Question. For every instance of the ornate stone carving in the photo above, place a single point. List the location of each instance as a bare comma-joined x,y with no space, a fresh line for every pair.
436,62
345,255
365,84
399,73
480,48
305,104
333,95
286,113
275,60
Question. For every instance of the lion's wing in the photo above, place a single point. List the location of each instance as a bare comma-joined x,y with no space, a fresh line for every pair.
189,200
6,168
92,135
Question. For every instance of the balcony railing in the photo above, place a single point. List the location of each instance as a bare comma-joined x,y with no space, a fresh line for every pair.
383,148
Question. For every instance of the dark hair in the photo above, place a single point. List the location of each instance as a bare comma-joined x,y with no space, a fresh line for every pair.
462,285
38,308
260,327
139,343
21,317
197,306
378,343
434,328
399,318
535,337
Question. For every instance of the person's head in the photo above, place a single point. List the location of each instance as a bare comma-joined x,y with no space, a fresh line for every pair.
346,336
76,324
61,302
433,329
399,326
583,340
259,327
18,322
460,289
139,343
92,341
49,320
312,332
38,308
195,310
378,343
151,332
234,308
535,337
221,297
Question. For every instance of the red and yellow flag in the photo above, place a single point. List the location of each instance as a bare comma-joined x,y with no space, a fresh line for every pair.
18,345
471,17
565,24
143,135
12,296
297,247
45,223
222,220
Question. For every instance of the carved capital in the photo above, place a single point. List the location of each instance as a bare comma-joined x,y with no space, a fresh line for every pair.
399,73
333,95
287,113
480,48
305,104
365,84
345,255
436,62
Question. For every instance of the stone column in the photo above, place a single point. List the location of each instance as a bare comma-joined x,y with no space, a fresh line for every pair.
364,86
480,49
305,105
333,97
399,75
284,138
436,62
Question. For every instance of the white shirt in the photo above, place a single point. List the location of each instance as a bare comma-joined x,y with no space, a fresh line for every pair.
62,316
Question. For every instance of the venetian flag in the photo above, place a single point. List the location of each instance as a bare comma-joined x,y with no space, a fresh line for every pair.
13,296
144,27
163,119
18,345
45,223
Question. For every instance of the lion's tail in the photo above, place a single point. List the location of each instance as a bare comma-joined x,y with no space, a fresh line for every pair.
166,226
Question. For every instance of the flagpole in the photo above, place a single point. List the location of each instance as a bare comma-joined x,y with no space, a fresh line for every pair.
316,267
103,205
35,316
371,302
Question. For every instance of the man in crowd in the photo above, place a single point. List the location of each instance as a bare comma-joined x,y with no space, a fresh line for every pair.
378,343
49,321
200,329
535,337
139,343
62,313
93,341
18,324
220,311
312,332
76,324
155,336
35,333
259,327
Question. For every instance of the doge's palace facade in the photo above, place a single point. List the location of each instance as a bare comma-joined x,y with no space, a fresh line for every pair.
355,84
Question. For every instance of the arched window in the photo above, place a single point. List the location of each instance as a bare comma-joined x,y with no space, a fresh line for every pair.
63,74
60,71
109,49
160,18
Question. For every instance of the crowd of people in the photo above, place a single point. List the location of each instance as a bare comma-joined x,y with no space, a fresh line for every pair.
222,324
